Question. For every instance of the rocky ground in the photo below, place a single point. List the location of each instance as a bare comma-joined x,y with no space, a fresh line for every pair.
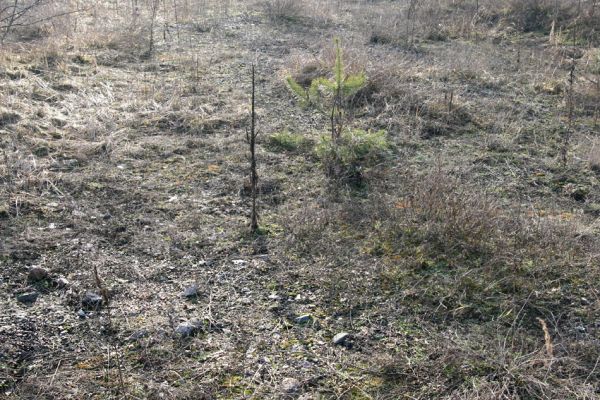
465,267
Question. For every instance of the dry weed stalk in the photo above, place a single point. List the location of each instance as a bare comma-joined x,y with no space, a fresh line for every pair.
105,297
449,100
100,285
251,140
547,340
155,5
570,114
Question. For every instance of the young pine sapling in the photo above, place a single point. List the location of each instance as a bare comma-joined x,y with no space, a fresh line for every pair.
335,90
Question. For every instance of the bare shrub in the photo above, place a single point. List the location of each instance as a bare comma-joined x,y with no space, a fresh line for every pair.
468,248
532,15
16,13
38,19
451,216
570,16
283,10
488,367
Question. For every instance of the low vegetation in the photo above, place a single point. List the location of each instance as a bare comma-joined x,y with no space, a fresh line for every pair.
421,180
286,141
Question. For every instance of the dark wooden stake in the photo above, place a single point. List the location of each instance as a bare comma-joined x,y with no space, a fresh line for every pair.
570,115
251,139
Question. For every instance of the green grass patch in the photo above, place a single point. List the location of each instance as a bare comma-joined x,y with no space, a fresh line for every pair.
356,151
286,141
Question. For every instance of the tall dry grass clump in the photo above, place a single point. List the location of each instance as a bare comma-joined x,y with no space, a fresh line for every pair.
475,253
283,10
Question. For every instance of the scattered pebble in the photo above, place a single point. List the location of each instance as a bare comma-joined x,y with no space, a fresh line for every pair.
341,338
137,335
188,329
191,292
585,301
304,319
62,283
290,385
81,314
28,298
245,301
91,301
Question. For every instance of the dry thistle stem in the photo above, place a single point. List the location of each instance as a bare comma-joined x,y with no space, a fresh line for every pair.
547,340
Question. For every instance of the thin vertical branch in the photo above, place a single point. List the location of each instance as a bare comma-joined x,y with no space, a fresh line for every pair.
155,5
251,139
570,113
10,21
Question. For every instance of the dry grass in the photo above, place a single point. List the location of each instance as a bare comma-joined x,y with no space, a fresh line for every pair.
283,10
440,266
594,156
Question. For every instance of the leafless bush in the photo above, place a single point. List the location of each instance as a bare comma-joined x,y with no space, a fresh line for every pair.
451,215
571,16
283,9
532,15
506,367
14,13
35,19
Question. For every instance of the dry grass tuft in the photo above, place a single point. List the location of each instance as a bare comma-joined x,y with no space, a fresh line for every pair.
594,156
547,339
441,275
284,10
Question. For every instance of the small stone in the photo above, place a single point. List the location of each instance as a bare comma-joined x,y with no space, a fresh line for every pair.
81,314
137,335
580,329
62,282
585,301
37,274
41,151
58,122
27,298
188,329
191,292
304,319
274,296
290,385
341,338
91,301
4,211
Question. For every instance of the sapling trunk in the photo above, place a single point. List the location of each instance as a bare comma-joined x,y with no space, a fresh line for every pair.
155,5
570,114
251,140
